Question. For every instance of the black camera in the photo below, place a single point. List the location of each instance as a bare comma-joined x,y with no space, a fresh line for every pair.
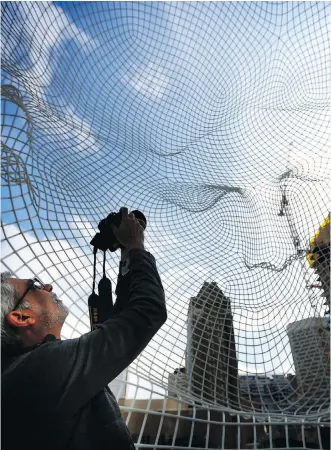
106,240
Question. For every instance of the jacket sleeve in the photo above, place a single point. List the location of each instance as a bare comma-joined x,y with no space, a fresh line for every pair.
122,288
86,365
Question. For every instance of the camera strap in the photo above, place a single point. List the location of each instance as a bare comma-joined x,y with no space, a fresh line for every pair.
100,305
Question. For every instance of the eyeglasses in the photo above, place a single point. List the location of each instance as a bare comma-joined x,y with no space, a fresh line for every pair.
34,283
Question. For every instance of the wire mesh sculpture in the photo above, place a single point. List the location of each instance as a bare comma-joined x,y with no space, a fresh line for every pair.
213,119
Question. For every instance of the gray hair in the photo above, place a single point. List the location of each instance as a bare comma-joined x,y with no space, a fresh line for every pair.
9,334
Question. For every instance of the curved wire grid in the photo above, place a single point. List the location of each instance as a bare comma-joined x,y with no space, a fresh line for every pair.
213,119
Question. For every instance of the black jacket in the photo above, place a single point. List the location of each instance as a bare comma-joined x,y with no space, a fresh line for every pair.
55,395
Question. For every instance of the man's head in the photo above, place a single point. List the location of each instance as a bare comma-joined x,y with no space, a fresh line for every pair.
29,311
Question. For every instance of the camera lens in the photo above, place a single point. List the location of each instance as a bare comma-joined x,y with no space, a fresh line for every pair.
140,217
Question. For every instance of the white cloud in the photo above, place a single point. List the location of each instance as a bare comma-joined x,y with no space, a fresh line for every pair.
151,81
46,27
78,132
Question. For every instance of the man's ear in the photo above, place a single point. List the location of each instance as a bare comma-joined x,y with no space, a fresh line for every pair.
20,319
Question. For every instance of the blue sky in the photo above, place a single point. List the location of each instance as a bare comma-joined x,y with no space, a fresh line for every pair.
190,112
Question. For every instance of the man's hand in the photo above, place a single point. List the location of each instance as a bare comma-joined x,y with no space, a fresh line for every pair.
130,233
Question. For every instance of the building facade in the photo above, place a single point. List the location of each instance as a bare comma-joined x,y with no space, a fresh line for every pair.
271,394
178,384
211,360
310,344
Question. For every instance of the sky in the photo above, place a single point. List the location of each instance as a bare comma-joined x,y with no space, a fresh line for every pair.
193,113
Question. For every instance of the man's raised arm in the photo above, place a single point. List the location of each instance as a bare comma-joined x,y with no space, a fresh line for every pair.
90,362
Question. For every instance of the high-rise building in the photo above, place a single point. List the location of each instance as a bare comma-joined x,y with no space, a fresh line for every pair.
211,360
178,384
273,393
309,340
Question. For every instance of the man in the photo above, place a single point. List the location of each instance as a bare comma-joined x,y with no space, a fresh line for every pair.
54,393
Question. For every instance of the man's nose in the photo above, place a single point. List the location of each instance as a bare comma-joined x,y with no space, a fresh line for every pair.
48,287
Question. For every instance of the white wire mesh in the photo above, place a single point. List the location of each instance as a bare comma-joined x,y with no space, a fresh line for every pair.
213,119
